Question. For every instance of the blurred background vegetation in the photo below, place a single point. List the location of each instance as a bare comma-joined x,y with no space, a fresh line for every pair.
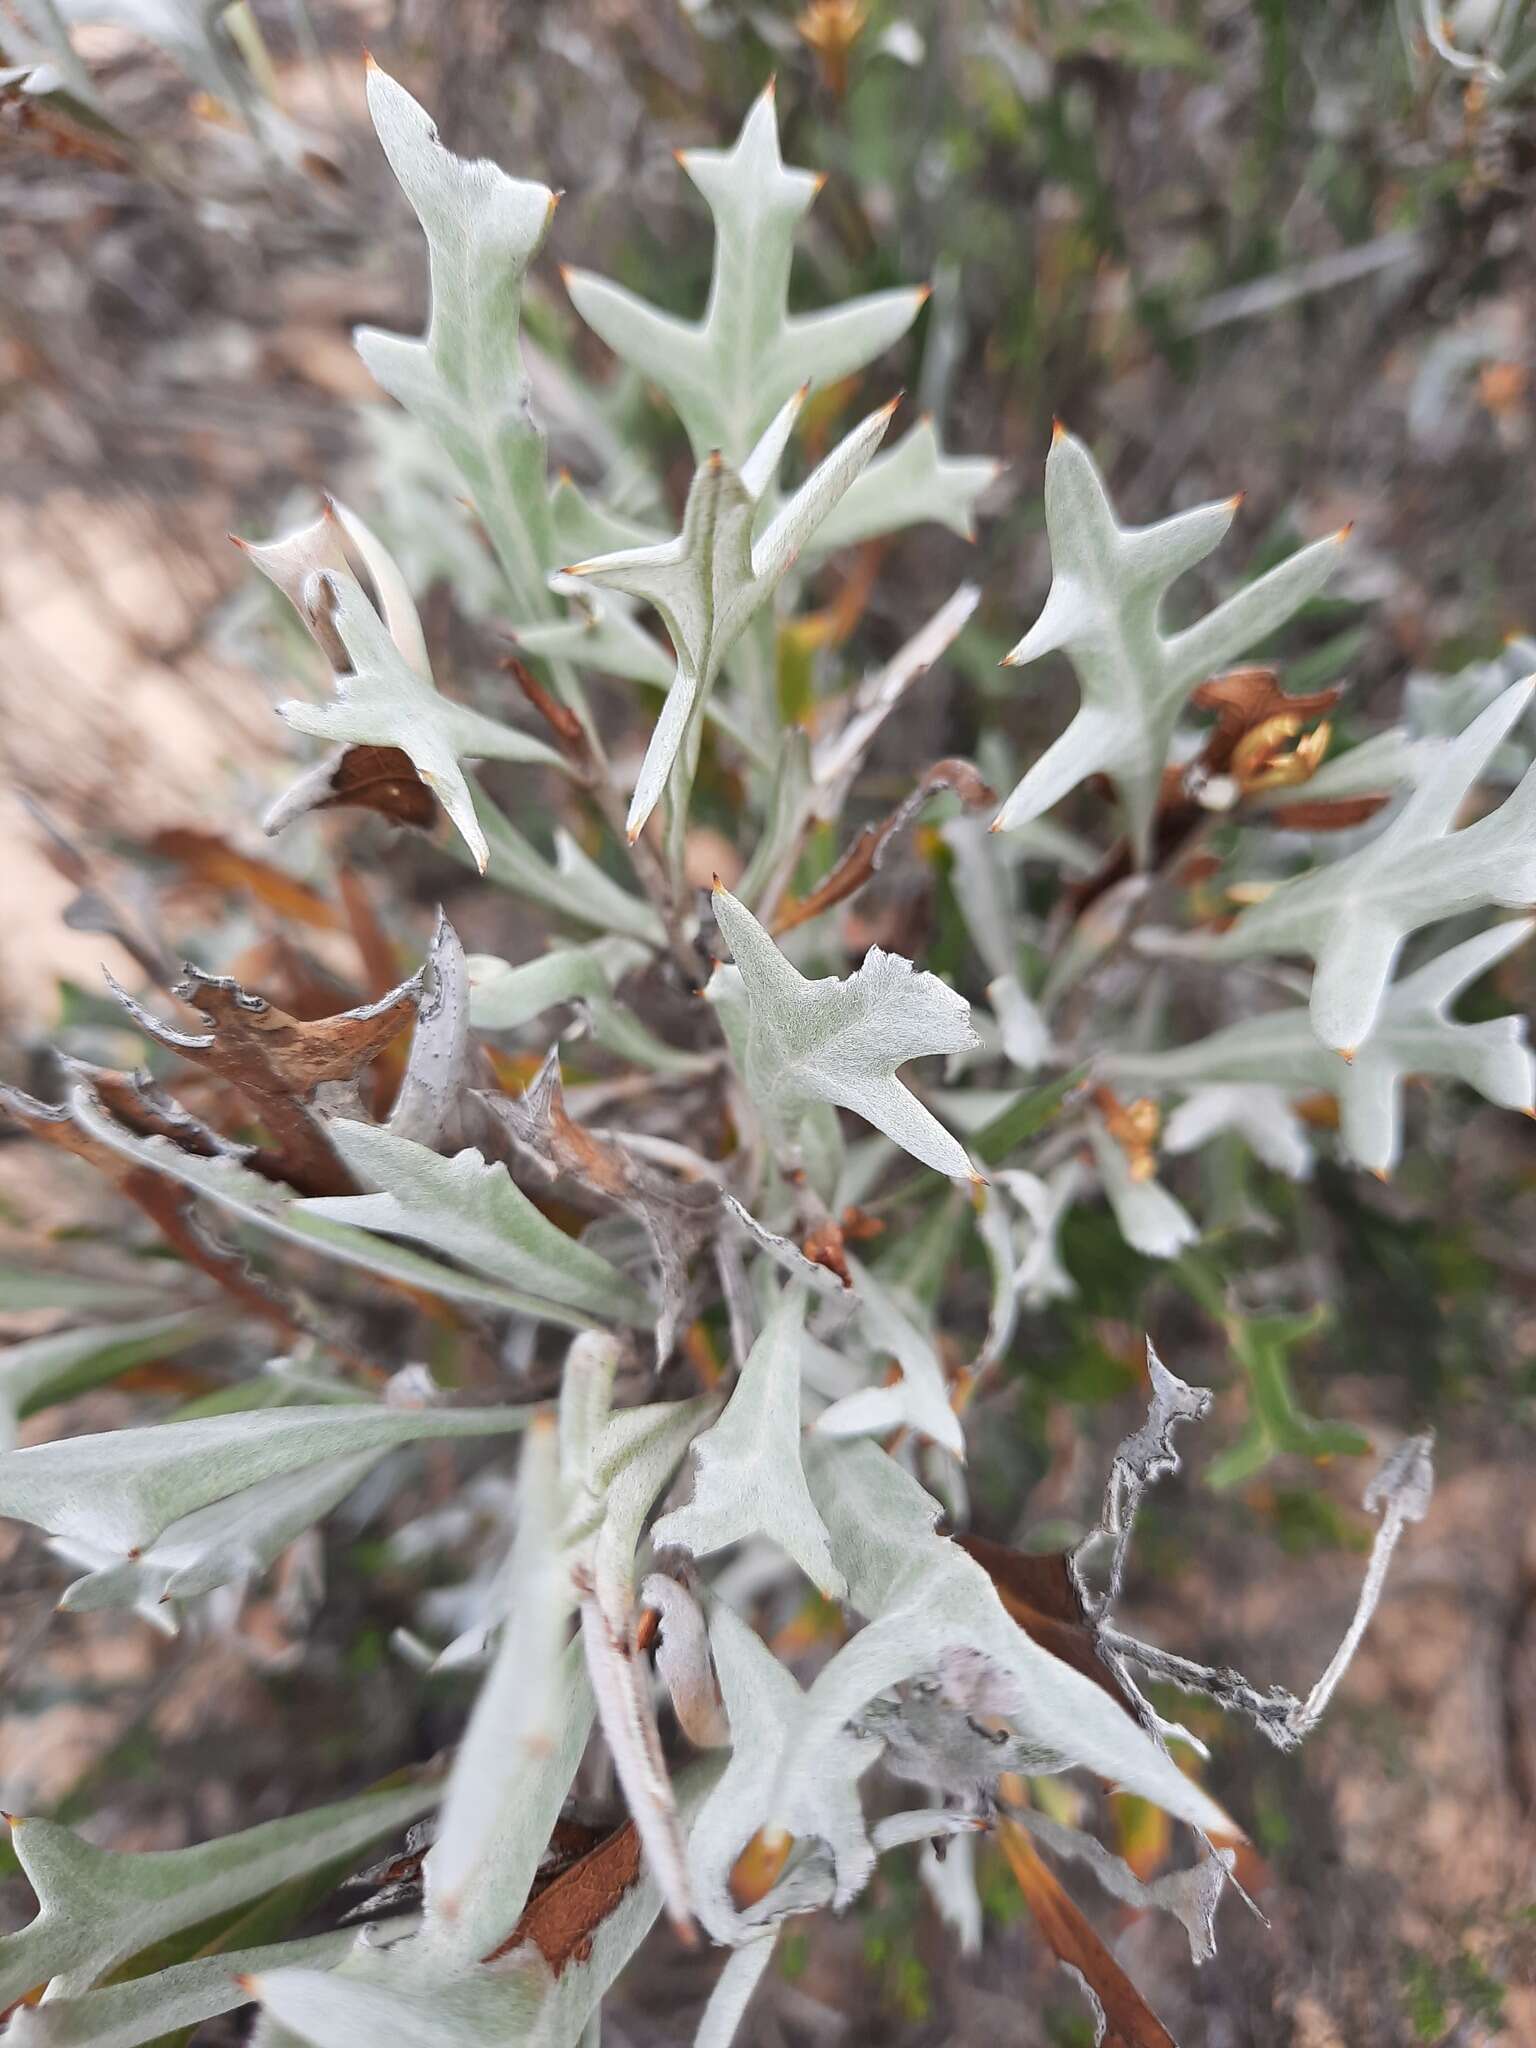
1276,246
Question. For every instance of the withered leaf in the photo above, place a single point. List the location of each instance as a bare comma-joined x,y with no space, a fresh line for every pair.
565,1912
138,1101
381,779
1244,699
1042,1596
863,858
277,1062
1326,814
1131,2022
209,858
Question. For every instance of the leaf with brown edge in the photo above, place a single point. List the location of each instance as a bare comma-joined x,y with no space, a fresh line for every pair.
208,858
169,1207
380,779
1326,814
277,1062
566,1911
1130,2021
1041,1595
864,857
1245,699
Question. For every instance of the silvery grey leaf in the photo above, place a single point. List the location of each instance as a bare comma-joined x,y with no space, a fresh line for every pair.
923,1599
1414,1033
472,1209
381,701
1044,1202
166,2001
1191,1895
841,1042
258,1201
231,1539
707,582
97,1907
1353,915
123,1488
730,373
1104,611
465,379
748,1479
920,1398
1151,1221
912,484
764,1706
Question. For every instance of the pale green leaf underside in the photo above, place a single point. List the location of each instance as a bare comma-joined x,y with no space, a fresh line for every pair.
1413,1033
472,1209
125,1487
729,373
96,1908
748,1479
465,379
1352,916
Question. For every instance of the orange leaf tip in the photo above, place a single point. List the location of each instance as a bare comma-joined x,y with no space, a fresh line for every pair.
1236,500
249,1984
370,62
924,292
716,886
891,404
1347,1053
1345,531
1058,430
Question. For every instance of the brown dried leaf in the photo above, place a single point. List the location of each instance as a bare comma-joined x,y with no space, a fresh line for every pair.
1131,2022
567,1910
863,858
1326,814
824,1246
1041,1595
208,857
278,1061
1246,699
381,779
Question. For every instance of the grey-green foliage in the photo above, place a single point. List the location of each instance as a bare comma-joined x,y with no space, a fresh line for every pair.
711,1164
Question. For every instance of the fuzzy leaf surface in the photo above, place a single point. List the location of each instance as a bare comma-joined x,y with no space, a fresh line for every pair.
842,1041
729,373
1104,610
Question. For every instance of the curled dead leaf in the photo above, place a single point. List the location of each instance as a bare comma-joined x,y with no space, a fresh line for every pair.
277,1061
1130,2021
